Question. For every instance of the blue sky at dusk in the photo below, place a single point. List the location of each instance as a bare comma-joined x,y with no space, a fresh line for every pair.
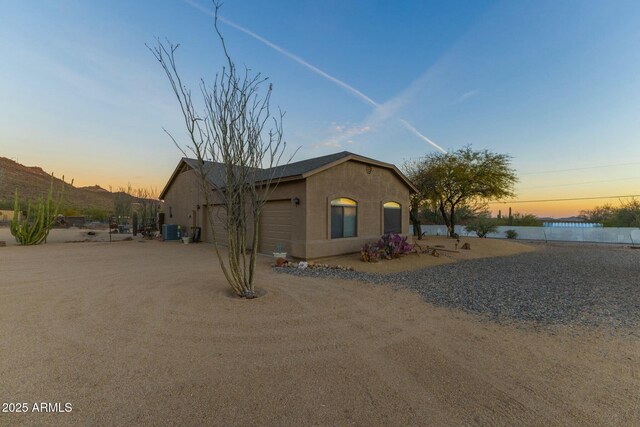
554,84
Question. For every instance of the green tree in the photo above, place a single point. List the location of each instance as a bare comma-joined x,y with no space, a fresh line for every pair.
70,211
481,226
96,214
430,214
600,214
520,219
459,178
628,215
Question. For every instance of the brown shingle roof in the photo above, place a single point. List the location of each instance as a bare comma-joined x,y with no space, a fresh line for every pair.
301,169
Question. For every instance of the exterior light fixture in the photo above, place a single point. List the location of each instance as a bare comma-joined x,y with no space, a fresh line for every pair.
296,201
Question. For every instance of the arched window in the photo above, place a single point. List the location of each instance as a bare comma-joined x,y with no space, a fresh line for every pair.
344,215
392,217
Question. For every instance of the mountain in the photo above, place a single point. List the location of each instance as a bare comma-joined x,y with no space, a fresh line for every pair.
32,182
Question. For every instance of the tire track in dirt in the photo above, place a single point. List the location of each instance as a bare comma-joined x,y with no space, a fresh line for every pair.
394,376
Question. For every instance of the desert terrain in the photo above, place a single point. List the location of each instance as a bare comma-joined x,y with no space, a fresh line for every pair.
147,333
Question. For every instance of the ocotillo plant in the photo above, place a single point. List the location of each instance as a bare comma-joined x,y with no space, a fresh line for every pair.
34,228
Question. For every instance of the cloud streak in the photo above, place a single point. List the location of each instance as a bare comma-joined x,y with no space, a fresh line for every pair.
344,134
327,76
466,96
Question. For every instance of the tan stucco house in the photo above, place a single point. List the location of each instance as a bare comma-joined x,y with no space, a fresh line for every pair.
324,206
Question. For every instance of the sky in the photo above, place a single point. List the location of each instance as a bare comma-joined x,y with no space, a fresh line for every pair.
556,85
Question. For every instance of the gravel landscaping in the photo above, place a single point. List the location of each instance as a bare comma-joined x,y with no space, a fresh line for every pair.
559,284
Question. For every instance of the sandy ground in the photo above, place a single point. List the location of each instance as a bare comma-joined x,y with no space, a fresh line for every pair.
135,333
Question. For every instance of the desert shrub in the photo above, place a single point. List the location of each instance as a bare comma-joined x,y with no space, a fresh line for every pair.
96,214
389,246
519,219
481,226
394,245
70,211
370,252
511,234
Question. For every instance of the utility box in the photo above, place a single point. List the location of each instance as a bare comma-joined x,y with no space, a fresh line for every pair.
170,231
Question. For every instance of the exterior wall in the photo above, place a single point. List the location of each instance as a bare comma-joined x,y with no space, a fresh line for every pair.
182,200
310,226
370,190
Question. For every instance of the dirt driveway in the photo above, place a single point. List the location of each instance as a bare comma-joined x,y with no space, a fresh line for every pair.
133,333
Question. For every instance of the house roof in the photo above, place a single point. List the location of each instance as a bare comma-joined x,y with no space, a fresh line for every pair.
291,171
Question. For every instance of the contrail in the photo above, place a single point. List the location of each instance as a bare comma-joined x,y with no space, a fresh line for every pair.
313,68
421,136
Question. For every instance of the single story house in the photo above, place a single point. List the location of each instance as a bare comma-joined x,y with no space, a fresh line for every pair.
323,206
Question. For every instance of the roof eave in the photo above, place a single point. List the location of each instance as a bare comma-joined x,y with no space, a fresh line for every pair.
164,191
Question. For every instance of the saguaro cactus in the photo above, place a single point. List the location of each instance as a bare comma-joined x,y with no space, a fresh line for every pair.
34,228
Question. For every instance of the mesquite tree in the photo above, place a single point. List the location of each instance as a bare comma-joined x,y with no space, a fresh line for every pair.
463,177
34,228
237,131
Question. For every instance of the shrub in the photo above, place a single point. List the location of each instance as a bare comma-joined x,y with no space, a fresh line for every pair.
389,246
393,245
481,226
370,252
511,234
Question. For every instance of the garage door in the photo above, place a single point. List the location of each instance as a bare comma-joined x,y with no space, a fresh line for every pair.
275,226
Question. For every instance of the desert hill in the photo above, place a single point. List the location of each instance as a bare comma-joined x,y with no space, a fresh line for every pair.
32,182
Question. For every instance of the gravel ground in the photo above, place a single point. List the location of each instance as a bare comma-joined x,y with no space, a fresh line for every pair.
559,284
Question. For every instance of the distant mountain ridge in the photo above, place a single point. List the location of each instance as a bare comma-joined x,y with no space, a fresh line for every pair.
32,182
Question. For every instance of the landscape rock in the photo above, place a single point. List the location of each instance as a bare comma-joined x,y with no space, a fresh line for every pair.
588,286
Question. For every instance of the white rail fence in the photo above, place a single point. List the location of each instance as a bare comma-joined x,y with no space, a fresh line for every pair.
622,235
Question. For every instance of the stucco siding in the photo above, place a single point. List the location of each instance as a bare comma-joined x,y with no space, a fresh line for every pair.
307,223
370,186
182,200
